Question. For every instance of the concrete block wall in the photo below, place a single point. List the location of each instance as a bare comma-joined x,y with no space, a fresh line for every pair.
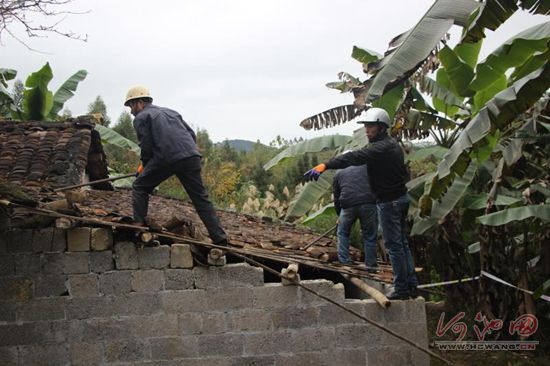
126,306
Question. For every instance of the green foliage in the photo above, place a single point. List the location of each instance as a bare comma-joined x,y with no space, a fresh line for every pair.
38,103
125,128
98,106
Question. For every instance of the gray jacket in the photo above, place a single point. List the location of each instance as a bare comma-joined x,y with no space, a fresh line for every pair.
164,137
351,187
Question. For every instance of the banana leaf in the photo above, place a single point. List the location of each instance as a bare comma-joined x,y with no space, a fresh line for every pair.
37,99
516,214
513,53
65,92
364,56
498,113
479,201
317,144
495,12
407,51
441,208
310,194
111,137
541,289
331,117
325,211
459,73
436,151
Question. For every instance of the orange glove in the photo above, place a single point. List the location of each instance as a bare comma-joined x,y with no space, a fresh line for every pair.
315,173
139,170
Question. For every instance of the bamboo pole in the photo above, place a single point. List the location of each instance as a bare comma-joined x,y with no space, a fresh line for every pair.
94,182
376,295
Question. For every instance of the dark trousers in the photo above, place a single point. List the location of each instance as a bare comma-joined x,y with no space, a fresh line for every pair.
188,172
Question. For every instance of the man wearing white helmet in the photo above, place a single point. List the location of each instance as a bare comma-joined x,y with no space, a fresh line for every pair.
387,176
168,147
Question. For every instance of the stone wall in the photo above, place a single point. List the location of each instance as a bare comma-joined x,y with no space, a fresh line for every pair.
72,298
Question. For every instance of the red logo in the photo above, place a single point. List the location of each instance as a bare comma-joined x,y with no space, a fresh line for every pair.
525,325
456,327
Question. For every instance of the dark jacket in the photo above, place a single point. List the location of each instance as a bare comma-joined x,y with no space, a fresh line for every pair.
164,137
351,187
385,163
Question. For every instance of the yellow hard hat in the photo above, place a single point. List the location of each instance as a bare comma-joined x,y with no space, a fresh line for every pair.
135,92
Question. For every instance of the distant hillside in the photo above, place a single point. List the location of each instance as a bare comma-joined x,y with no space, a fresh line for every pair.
240,145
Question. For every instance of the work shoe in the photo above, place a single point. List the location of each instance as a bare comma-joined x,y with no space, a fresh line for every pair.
413,292
392,295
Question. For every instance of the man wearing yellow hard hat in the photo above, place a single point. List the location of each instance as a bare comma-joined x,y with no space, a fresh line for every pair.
168,147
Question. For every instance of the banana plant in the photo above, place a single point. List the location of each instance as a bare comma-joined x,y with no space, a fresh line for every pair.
39,103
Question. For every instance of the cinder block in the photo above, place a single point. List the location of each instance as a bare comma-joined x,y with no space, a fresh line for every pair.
7,265
127,351
313,339
396,313
115,282
302,359
268,343
332,314
89,307
137,303
275,295
183,301
44,355
27,264
59,240
101,261
416,310
228,344
18,334
78,239
150,326
249,320
86,354
7,311
8,356
15,288
180,256
46,285
169,348
417,357
178,279
42,240
52,263
42,309
387,355
241,274
224,299
190,323
157,257
126,255
19,241
357,335
324,287
346,356
100,330
101,239
213,322
206,277
147,280
75,263
85,285
294,317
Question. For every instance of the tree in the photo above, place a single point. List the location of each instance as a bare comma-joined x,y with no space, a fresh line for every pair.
15,12
125,128
66,114
204,142
98,106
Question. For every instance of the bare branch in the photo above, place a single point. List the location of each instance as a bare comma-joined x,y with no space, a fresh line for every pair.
16,12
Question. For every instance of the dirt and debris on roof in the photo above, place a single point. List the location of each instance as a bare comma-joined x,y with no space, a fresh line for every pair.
41,156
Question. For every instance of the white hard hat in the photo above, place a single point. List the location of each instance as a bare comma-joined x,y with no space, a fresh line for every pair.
375,115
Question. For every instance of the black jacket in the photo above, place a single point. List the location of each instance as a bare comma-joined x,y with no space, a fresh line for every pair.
351,187
164,137
385,163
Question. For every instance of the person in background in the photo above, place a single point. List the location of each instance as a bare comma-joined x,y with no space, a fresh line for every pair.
168,147
354,200
387,176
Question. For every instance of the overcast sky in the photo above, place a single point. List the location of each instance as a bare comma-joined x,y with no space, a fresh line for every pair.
241,69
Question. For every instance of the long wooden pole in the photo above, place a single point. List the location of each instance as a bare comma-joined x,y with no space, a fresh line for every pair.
94,182
320,237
